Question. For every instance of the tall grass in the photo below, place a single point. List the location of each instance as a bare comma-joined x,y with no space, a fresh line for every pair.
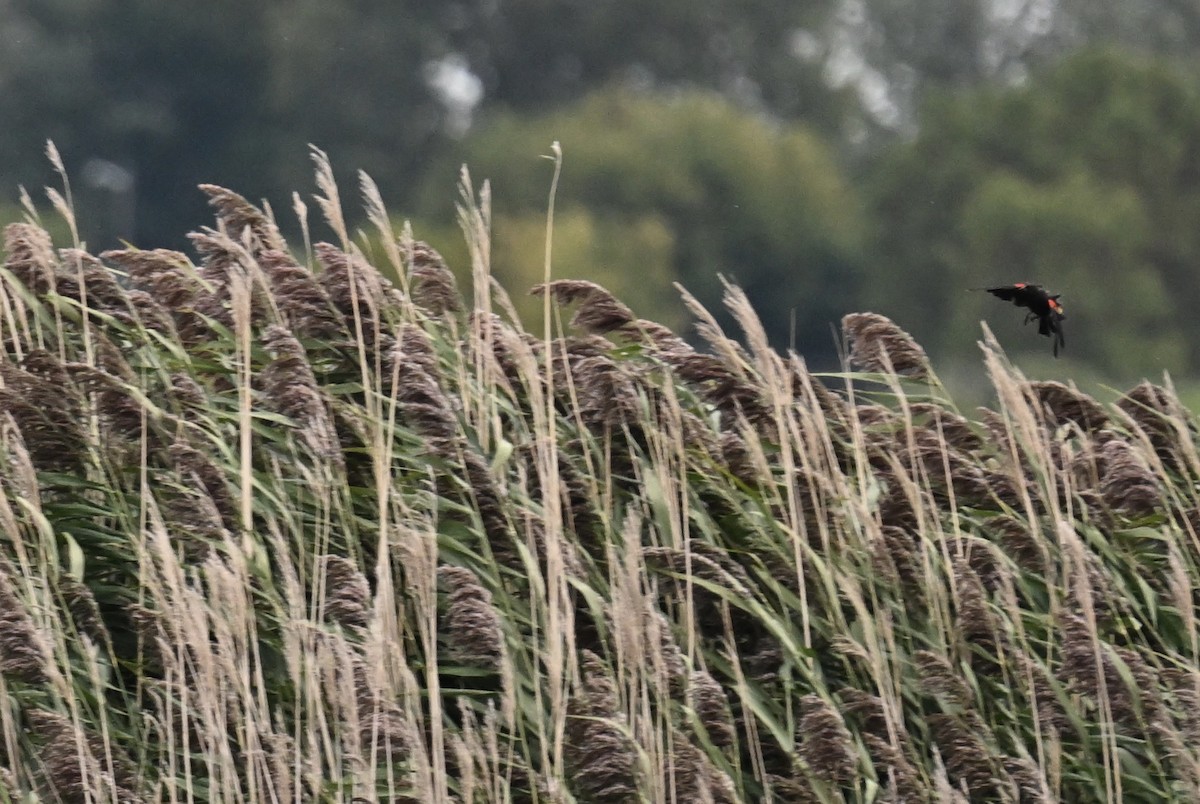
277,529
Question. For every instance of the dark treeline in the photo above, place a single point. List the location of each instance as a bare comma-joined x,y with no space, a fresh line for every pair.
826,155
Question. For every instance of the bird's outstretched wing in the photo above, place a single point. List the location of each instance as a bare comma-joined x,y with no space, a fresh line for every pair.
1019,293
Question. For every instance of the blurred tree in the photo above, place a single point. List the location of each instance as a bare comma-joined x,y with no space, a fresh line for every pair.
174,94
898,52
760,202
534,54
169,93
1087,180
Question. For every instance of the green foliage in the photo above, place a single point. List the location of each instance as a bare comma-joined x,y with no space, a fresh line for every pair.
1085,180
758,201
538,54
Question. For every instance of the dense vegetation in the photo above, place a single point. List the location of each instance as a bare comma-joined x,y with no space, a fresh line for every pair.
278,529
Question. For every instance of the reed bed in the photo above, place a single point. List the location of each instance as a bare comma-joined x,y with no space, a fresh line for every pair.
278,529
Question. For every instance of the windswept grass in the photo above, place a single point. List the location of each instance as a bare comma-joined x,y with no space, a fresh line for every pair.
275,529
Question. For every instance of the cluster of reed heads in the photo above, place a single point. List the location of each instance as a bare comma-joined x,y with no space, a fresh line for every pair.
276,528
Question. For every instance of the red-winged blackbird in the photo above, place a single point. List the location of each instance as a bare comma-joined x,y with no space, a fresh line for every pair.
1042,306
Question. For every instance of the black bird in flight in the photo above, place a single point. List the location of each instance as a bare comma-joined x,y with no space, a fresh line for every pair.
1042,305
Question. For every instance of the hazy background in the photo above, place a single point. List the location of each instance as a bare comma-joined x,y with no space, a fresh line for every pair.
830,156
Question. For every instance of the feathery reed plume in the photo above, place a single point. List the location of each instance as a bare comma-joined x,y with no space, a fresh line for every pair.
975,621
601,758
938,678
656,335
1019,543
582,517
24,653
877,344
607,392
1126,482
200,473
1183,685
968,760
353,283
481,489
1030,782
188,397
695,777
281,770
305,306
431,283
347,594
903,780
490,334
708,700
85,612
898,504
670,666
289,384
825,743
414,349
726,389
722,572
1078,666
221,258
471,622
738,460
383,727
237,215
599,311
120,411
808,390
166,277
1158,413
947,424
928,457
75,761
30,257
865,708
1058,404
426,408
146,311
896,557
193,520
82,274
1131,686
47,409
